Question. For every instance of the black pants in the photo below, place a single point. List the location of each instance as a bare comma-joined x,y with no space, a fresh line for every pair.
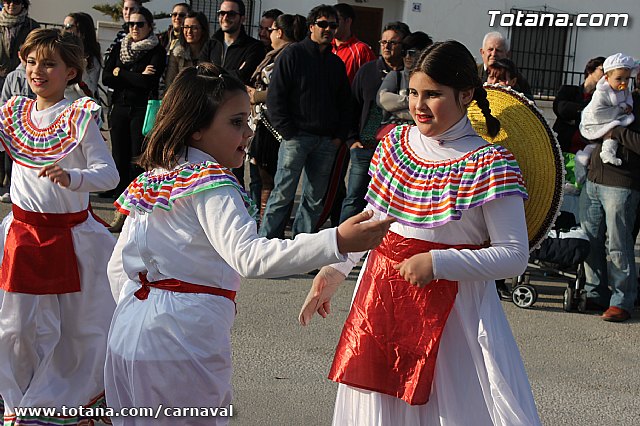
126,141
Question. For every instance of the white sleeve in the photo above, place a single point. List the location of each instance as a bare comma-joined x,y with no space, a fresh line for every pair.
353,258
506,257
233,234
101,173
115,268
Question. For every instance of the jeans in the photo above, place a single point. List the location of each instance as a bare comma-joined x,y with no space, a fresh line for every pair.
306,153
359,179
612,210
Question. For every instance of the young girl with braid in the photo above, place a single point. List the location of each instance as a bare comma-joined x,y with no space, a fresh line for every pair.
426,341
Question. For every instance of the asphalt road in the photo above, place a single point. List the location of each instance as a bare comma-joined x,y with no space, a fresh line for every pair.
583,371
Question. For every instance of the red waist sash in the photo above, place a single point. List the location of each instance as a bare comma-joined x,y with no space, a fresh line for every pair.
390,339
180,287
39,257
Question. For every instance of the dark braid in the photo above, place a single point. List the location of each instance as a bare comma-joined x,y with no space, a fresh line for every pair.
493,124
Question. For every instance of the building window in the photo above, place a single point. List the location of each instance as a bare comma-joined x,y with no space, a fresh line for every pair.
545,54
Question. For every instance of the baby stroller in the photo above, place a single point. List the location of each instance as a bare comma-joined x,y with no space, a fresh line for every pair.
560,255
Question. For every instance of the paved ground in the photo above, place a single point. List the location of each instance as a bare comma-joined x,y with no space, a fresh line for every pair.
583,371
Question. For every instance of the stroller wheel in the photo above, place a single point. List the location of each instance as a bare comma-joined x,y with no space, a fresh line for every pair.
567,301
524,296
582,301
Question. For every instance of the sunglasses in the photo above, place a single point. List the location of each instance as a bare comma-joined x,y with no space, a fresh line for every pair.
271,29
180,14
191,27
230,13
68,26
140,24
411,52
327,24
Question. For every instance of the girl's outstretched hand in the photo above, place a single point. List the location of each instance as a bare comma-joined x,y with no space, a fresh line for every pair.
325,284
417,270
56,174
356,234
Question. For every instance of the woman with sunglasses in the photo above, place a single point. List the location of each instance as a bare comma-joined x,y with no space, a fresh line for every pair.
133,71
393,96
186,49
286,29
81,25
174,32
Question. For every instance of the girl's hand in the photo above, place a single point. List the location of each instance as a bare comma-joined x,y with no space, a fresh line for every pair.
251,91
149,70
416,270
356,234
56,174
324,286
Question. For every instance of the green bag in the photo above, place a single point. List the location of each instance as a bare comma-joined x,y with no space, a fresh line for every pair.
153,105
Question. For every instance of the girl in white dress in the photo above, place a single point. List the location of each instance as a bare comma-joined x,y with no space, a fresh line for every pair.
426,341
56,304
188,239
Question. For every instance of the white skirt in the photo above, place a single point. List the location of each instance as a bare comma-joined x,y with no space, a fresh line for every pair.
479,378
171,350
53,347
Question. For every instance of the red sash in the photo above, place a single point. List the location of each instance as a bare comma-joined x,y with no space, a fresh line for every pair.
39,257
390,339
180,287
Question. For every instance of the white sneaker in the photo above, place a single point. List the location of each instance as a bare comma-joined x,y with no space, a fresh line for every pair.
5,198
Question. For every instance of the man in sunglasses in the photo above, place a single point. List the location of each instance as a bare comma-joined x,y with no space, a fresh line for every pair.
308,104
266,22
231,47
169,38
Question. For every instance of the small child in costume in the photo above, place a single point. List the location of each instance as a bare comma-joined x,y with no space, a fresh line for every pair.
426,341
609,107
188,239
55,301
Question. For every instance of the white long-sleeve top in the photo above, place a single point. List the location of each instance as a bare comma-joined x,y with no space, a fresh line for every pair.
90,167
500,222
209,238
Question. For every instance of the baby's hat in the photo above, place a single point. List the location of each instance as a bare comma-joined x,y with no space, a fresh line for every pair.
619,60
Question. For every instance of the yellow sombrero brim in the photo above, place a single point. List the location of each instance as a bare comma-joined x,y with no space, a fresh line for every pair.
527,134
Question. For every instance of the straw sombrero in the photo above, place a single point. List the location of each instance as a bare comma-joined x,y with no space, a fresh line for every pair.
526,133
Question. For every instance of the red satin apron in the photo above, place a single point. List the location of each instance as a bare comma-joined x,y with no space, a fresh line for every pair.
39,257
390,339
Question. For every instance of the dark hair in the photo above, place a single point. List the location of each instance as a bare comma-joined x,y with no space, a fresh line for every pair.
148,16
293,27
47,41
399,27
272,14
345,10
187,5
450,63
417,40
241,8
86,28
322,11
25,4
503,66
202,21
593,64
189,105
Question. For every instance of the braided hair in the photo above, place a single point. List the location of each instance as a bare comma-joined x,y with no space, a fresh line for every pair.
450,63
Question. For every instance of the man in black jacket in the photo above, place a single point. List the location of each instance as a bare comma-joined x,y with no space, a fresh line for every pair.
308,103
230,47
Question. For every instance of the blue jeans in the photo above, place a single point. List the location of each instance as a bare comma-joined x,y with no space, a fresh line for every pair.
359,179
612,210
313,155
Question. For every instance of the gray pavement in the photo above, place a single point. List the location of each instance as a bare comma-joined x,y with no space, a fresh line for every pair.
583,371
